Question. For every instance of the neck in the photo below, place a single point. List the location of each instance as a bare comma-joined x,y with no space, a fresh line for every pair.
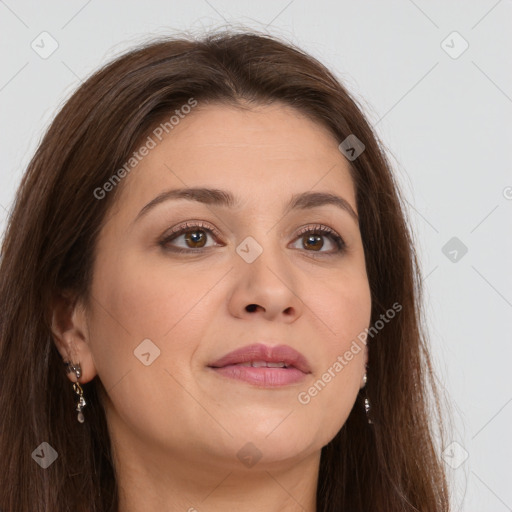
173,481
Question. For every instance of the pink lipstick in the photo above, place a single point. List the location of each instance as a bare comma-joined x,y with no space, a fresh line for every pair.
263,365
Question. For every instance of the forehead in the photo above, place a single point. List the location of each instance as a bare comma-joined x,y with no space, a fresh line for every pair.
266,151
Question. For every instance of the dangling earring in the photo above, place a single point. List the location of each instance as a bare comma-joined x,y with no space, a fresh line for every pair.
77,388
366,401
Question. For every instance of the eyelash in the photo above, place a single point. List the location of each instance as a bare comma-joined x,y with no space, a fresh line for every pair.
186,227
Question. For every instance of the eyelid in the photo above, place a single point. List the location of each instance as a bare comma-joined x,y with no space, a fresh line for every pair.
191,224
318,227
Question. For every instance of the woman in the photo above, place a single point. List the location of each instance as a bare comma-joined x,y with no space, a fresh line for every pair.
210,297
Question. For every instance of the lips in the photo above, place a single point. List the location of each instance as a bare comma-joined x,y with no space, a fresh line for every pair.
260,355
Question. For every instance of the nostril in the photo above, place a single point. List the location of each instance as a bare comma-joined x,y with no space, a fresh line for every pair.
251,307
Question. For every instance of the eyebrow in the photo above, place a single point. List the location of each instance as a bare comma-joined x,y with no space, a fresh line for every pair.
213,196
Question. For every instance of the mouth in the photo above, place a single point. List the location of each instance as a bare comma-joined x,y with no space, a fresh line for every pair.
263,365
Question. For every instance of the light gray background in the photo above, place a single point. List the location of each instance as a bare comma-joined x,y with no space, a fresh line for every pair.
445,121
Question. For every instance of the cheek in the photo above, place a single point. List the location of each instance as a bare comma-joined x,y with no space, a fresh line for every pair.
345,310
135,302
332,392
344,305
148,299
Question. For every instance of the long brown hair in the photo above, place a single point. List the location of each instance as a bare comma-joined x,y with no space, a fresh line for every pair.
391,465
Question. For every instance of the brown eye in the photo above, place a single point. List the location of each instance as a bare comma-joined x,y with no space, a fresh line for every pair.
314,242
190,237
195,239
320,239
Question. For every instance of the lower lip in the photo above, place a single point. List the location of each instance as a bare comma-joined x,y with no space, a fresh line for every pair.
262,376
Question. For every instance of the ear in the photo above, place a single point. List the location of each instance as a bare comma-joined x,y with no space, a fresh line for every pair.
70,335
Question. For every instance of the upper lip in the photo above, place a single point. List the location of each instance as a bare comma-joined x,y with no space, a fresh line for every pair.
262,352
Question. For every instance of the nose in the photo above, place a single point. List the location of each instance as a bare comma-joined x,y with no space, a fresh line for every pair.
266,287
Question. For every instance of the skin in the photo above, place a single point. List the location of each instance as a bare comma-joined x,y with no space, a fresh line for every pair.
176,425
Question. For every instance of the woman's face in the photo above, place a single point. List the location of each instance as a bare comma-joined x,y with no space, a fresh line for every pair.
167,306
